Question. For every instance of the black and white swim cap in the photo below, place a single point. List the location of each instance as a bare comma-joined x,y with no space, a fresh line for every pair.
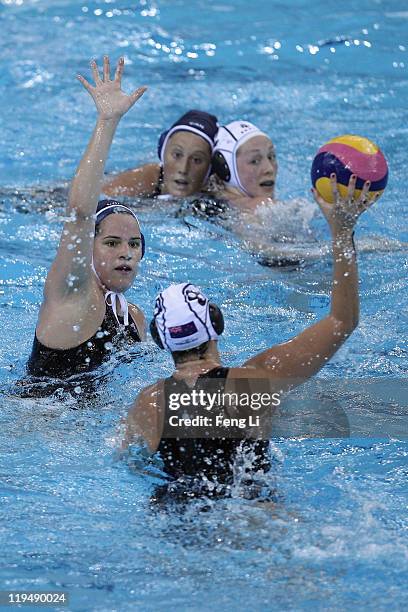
182,318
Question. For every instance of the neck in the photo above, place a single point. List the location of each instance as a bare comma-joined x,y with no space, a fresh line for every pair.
195,366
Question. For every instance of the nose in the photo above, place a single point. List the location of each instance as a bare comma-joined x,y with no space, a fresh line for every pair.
126,252
269,166
182,165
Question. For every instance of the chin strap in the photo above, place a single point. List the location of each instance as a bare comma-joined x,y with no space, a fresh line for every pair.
123,305
112,302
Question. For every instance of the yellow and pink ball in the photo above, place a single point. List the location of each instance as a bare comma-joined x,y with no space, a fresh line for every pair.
347,155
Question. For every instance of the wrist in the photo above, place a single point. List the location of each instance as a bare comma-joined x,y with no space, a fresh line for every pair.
344,242
342,235
108,121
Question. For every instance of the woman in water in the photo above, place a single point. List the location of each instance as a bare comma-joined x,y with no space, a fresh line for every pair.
190,418
185,152
84,311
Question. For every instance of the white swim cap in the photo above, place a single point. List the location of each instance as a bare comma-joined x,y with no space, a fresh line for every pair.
227,142
182,318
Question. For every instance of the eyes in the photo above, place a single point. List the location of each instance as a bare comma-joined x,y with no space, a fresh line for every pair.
255,161
134,243
197,160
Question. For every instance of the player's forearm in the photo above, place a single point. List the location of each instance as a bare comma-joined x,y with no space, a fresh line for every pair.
345,297
87,182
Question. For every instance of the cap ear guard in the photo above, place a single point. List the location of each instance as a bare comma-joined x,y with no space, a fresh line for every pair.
155,334
216,317
160,144
143,244
220,166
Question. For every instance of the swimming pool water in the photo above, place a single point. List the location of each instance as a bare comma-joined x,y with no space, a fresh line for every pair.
73,517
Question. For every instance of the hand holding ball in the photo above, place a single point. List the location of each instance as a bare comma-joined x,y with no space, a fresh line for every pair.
347,155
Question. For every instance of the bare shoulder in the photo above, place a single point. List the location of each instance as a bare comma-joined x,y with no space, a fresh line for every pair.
142,181
66,321
139,319
145,417
251,376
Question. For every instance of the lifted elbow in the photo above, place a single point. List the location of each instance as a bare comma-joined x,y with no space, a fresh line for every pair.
346,327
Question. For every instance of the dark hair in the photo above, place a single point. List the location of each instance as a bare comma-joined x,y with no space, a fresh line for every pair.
197,352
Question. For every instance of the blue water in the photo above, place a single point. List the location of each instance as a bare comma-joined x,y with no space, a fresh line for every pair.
72,517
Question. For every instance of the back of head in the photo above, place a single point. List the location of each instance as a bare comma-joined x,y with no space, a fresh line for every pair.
184,319
229,138
195,121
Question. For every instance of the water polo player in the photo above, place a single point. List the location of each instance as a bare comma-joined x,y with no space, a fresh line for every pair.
84,312
184,151
188,325
245,161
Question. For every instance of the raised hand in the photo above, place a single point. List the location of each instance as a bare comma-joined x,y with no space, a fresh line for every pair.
111,102
342,215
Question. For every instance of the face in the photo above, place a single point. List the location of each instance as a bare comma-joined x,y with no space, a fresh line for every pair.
257,166
187,158
117,251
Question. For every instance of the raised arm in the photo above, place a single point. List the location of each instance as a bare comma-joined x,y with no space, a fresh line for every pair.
72,267
305,354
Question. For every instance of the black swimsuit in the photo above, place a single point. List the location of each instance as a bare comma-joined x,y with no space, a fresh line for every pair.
61,363
193,462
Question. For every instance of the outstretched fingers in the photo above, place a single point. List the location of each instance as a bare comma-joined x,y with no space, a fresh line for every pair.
85,83
119,69
95,72
349,203
106,68
365,201
138,93
351,187
334,189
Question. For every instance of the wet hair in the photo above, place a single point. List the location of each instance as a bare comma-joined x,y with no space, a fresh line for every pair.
197,352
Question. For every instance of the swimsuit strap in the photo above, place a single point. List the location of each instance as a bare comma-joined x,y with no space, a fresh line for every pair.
123,305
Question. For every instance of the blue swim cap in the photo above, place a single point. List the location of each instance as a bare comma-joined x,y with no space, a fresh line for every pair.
195,121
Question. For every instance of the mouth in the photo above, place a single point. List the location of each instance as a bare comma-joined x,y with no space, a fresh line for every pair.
267,183
124,269
181,182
